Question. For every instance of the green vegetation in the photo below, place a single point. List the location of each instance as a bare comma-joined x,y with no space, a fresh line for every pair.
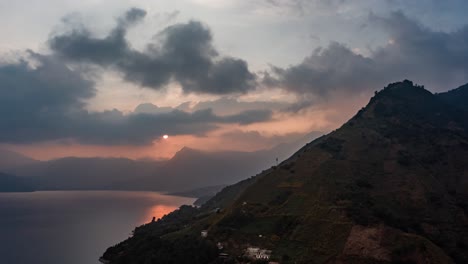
389,186
152,249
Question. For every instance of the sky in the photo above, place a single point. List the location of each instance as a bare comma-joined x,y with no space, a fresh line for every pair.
111,78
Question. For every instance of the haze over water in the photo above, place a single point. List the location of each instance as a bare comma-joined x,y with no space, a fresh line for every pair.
73,227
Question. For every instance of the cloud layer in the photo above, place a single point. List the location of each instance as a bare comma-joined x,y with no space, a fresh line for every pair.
183,53
42,97
439,59
43,101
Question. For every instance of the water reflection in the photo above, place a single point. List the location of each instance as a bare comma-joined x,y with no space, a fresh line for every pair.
73,227
157,212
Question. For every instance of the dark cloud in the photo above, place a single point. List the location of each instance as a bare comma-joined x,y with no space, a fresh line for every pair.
132,16
113,127
41,98
229,106
248,117
43,101
438,59
430,56
332,68
182,52
79,43
35,100
148,108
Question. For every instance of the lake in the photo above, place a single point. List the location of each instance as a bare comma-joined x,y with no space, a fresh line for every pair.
73,227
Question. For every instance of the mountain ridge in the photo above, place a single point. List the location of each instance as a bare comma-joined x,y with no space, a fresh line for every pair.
189,169
11,183
390,185
10,159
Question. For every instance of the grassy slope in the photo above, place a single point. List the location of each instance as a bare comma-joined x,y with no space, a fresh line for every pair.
390,185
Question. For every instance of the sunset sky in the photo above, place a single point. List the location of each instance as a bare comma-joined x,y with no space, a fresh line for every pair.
110,78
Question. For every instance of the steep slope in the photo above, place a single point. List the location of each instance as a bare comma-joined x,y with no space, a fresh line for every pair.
456,97
390,185
395,173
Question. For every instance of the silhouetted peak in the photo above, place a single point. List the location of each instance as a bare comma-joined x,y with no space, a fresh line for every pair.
399,85
403,90
406,102
185,152
393,171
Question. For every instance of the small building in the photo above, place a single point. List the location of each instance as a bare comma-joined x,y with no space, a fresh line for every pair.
263,254
220,245
258,253
204,233
252,251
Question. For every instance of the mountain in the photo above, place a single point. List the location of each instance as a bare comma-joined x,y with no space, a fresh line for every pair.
87,173
10,183
192,169
389,186
456,97
10,159
189,169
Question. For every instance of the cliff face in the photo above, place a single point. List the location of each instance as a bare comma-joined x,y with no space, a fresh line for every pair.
390,185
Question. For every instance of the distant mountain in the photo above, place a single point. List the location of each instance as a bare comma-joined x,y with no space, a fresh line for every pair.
189,169
389,186
87,173
10,159
227,167
10,183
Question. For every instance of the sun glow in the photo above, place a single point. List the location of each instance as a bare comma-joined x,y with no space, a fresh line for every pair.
157,212
165,137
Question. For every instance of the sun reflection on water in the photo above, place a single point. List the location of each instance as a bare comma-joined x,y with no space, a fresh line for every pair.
157,211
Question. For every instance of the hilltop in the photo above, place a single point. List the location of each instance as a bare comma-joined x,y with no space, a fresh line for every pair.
389,186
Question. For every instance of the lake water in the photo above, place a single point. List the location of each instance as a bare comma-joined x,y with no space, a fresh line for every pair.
73,227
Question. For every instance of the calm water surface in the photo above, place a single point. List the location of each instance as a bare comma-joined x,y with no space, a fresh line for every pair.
73,227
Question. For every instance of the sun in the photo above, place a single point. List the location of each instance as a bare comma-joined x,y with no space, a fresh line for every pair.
165,137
